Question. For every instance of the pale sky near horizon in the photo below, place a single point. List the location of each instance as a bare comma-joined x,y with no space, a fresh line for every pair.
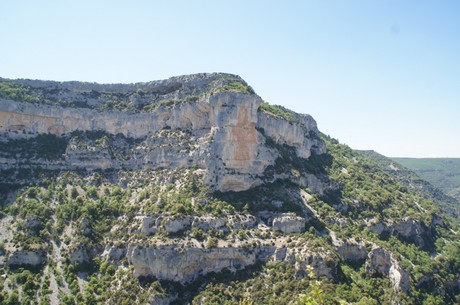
381,75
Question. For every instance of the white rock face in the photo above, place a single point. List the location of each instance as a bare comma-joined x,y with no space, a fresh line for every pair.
383,263
176,224
352,250
238,222
407,229
292,133
209,222
288,224
186,264
225,128
171,263
304,257
151,224
410,230
238,155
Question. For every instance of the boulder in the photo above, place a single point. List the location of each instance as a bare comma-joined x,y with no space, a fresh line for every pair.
174,224
375,226
352,251
288,224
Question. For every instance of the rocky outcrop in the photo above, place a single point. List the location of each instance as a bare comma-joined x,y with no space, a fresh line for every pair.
437,221
114,253
282,222
164,222
237,222
288,223
375,226
26,258
324,264
85,227
294,134
186,264
176,224
381,262
209,222
408,230
352,251
192,123
411,230
151,224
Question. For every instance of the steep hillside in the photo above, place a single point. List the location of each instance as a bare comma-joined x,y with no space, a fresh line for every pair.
444,173
416,183
193,190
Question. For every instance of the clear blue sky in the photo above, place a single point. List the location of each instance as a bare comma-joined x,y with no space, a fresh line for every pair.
382,75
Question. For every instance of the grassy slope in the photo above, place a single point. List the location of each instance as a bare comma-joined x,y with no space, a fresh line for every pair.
443,173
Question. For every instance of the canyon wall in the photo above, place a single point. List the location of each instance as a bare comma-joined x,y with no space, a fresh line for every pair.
226,132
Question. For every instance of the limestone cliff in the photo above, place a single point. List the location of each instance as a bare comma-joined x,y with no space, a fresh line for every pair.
210,121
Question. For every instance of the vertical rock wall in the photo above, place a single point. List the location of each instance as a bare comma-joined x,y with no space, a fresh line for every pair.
224,127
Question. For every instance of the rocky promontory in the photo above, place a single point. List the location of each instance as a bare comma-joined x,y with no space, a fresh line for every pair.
219,115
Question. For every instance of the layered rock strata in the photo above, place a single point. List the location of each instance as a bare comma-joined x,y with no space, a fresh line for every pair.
226,131
174,263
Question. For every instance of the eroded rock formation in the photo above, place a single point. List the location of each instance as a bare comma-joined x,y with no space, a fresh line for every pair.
226,131
382,262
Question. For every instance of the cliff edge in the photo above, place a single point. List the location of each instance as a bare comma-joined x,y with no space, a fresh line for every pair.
213,122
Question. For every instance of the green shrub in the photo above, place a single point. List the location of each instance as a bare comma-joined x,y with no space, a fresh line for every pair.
278,111
212,243
234,85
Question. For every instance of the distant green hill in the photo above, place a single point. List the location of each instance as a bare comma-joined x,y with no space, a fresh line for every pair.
444,173
415,182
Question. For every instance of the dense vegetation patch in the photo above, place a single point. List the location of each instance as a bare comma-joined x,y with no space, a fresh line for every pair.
443,173
11,91
16,92
279,112
45,146
234,85
90,211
